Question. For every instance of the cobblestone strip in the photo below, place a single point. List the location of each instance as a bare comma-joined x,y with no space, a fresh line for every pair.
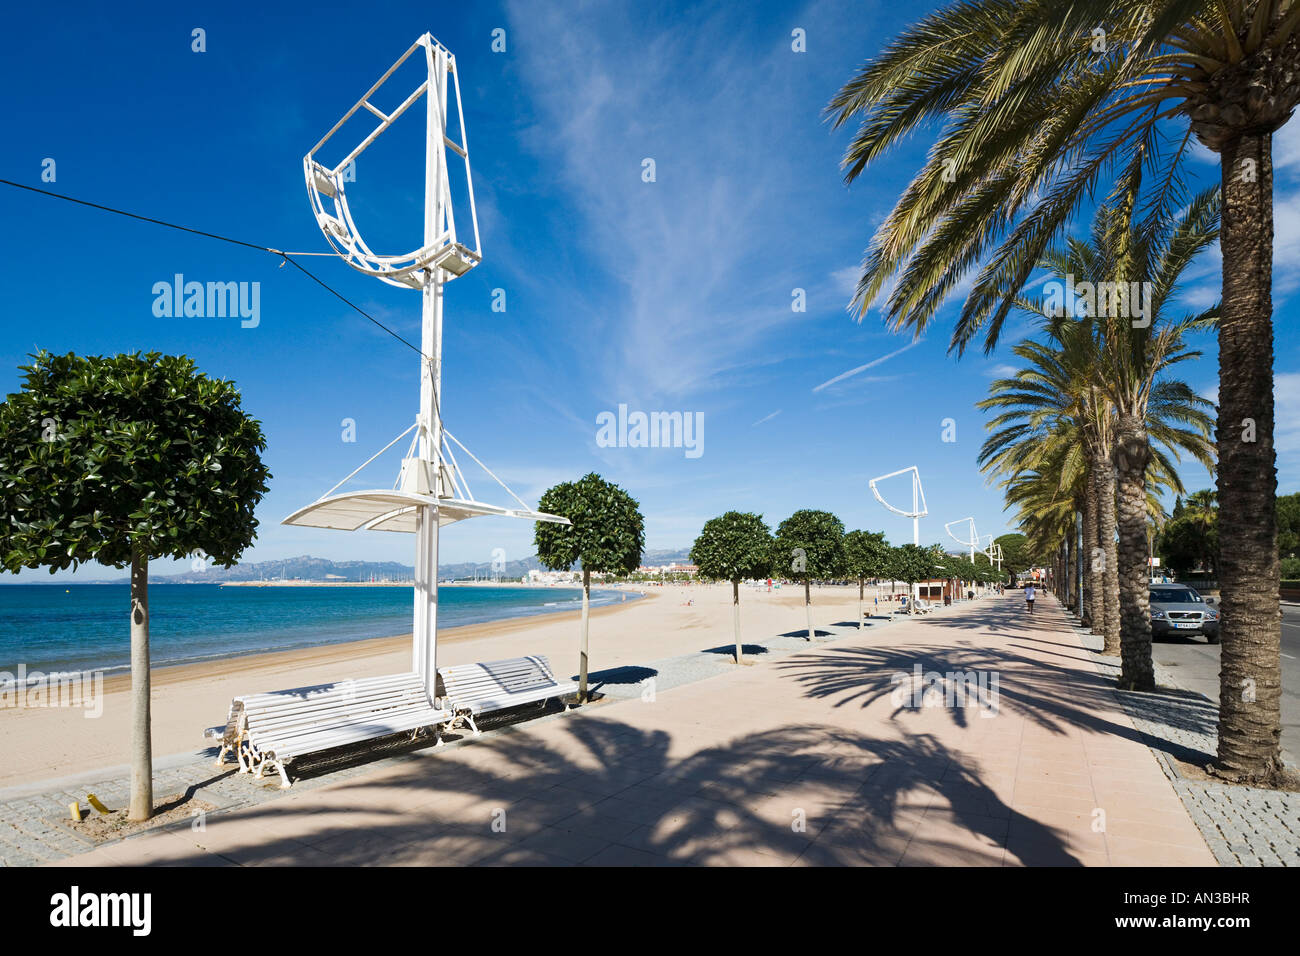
1243,826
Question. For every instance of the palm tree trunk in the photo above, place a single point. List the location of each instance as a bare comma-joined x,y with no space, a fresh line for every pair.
1103,478
862,588
1132,453
1091,567
141,734
1250,675
1071,566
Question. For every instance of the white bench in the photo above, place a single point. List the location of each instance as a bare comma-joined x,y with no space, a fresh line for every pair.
917,606
268,731
473,689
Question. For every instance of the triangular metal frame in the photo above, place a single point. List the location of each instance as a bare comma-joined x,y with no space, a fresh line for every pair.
430,490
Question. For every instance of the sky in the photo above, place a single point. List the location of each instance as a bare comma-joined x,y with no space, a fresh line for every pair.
675,292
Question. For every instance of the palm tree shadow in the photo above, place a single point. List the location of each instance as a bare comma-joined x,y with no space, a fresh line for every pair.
1053,695
605,792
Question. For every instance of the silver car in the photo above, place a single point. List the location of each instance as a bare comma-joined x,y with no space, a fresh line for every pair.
1179,609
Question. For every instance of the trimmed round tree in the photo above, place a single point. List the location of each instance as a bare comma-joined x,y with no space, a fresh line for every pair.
607,536
735,547
866,555
909,563
118,460
809,544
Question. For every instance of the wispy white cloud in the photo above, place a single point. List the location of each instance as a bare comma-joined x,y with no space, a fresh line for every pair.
767,418
846,279
679,252
862,368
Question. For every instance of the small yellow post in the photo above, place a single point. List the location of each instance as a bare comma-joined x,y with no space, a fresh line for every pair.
94,802
74,809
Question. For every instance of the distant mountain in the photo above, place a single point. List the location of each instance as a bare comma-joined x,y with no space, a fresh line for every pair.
308,568
304,568
661,557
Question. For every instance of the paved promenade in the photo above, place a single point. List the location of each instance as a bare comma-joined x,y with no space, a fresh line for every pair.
820,757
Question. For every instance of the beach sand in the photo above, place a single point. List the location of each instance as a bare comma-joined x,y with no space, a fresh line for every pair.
40,743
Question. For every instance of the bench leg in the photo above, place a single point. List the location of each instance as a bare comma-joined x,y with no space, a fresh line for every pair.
221,754
473,726
272,761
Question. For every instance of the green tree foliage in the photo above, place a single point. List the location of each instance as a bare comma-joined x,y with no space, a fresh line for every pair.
1016,556
1288,525
809,546
911,563
734,547
119,460
607,535
866,555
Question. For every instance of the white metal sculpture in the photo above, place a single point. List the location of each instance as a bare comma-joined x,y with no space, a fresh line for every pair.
431,489
994,552
919,509
974,541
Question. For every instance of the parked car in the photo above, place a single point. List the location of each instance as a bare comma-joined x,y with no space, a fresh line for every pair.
1179,609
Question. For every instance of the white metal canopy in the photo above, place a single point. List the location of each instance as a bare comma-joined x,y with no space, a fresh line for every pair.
430,491
379,510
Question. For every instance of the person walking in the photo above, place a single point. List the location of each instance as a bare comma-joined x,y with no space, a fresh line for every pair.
1029,597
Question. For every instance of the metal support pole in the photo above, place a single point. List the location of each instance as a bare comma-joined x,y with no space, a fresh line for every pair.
916,522
425,634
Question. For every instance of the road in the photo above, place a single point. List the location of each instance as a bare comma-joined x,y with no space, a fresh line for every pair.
1195,665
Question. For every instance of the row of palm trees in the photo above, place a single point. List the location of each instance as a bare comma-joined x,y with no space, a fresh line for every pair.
1092,424
1035,103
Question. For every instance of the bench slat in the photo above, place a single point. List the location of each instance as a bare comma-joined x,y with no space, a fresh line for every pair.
497,685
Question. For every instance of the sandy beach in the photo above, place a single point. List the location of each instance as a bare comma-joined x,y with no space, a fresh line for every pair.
43,743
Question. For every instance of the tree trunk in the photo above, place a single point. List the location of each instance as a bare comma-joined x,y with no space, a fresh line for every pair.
735,618
1091,565
1071,568
1132,453
141,740
807,604
582,647
862,587
1250,675
1103,475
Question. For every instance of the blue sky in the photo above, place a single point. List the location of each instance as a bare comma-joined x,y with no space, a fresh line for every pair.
672,295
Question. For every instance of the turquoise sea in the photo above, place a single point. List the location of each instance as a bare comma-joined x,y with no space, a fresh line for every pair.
52,627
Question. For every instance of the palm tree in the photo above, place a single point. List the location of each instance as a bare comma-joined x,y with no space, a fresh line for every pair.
1202,511
1122,357
1041,98
1136,350
1051,404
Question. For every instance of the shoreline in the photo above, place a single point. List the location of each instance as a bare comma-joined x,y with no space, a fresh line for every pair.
114,672
403,584
343,651
48,741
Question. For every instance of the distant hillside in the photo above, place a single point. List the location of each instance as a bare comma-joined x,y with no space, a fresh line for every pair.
308,568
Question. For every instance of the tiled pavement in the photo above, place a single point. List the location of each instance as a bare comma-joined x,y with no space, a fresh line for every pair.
1243,826
813,758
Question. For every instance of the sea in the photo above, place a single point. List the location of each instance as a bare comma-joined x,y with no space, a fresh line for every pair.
86,627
